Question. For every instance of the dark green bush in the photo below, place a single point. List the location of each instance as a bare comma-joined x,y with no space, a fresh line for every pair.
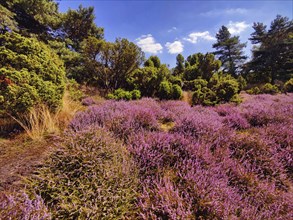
204,96
165,90
219,89
288,87
121,94
30,73
176,92
135,94
226,89
254,91
241,82
269,89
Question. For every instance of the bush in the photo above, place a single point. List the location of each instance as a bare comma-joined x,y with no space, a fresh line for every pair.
241,82
204,96
135,94
165,90
218,90
226,89
176,91
253,91
288,87
120,94
270,89
30,73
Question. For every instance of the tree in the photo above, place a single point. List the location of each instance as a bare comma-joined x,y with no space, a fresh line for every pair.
79,24
153,61
273,51
7,22
201,66
37,17
110,64
30,73
230,51
179,69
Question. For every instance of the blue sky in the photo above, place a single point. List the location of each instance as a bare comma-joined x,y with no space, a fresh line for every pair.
166,28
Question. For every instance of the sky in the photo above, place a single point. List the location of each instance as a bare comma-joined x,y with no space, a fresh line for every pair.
166,28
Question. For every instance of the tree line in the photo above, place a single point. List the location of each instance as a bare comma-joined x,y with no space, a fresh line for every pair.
42,48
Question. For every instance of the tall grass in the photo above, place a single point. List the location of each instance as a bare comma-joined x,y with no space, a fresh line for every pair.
40,121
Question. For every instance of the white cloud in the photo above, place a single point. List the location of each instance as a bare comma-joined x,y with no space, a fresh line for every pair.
195,36
175,47
172,29
228,11
148,44
237,27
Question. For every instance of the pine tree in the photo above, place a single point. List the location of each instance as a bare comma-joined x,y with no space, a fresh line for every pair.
273,51
230,51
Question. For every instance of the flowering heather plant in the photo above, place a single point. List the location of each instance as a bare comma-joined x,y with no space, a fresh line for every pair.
88,101
91,177
265,109
223,162
21,206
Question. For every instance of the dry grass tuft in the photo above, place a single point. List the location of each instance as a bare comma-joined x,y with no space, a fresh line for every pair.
187,97
41,122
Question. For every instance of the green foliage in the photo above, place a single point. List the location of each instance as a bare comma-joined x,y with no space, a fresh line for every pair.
135,94
288,87
176,80
35,17
148,79
73,89
176,92
204,96
269,89
153,61
219,89
241,82
109,65
165,90
7,22
79,24
30,74
272,57
179,69
201,66
91,176
230,51
168,90
254,91
226,89
121,94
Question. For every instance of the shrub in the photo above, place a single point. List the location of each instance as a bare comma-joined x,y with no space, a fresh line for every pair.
204,96
120,94
226,89
30,73
288,87
165,90
253,91
241,82
135,94
270,89
176,91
